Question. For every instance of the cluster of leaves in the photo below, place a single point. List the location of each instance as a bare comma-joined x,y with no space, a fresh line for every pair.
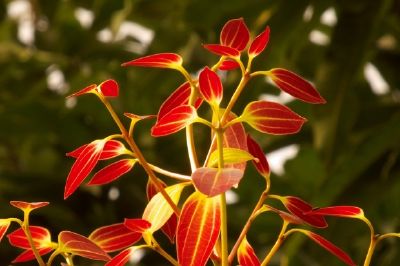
199,227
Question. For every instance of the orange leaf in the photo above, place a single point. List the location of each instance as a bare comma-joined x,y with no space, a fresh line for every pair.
212,181
177,119
28,206
246,255
41,238
112,172
259,43
111,149
162,60
210,86
272,118
261,165
222,50
198,229
79,245
4,224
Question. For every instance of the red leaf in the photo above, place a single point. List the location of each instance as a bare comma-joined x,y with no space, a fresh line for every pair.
177,119
228,65
4,224
28,206
235,34
339,211
83,165
111,149
210,86
169,228
81,246
41,238
262,165
179,97
114,237
222,50
28,254
272,118
246,255
212,181
162,60
137,225
112,172
89,89
295,85
122,258
109,88
301,209
329,246
259,43
198,229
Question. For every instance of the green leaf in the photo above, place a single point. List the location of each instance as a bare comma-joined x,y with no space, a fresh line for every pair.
231,155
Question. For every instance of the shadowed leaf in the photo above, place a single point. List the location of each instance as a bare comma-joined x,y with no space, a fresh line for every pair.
28,254
339,211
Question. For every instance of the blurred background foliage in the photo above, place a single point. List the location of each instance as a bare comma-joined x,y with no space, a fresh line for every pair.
348,153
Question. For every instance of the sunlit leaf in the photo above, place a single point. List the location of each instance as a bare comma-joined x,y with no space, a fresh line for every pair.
235,34
123,257
114,237
228,65
162,60
261,163
339,211
28,206
112,148
112,172
83,165
295,85
177,119
4,224
198,229
222,50
259,43
246,255
158,211
326,244
272,118
109,88
28,254
179,97
213,181
231,156
79,245
41,237
210,86
137,225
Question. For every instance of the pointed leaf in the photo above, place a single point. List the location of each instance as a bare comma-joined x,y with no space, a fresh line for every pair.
28,206
137,225
231,156
295,85
222,50
28,254
122,258
114,237
162,60
177,119
112,148
83,165
235,34
169,228
261,164
326,244
246,255
109,88
198,229
4,224
272,118
228,65
41,238
339,211
158,211
259,43
89,89
112,172
179,97
302,209
212,181
210,86
79,245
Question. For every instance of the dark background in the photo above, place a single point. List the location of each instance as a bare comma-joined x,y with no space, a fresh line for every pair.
349,149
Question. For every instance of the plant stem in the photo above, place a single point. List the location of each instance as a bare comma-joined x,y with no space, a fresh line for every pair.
246,227
138,154
156,247
52,257
372,243
276,246
169,173
27,231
